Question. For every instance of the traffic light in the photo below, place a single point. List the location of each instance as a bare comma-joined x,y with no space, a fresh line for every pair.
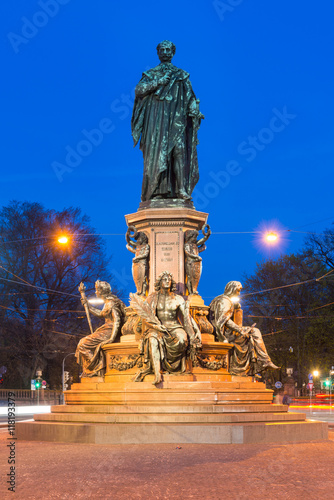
38,384
328,382
66,376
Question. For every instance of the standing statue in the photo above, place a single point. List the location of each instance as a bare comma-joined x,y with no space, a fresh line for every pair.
140,263
165,340
166,116
249,355
193,262
89,351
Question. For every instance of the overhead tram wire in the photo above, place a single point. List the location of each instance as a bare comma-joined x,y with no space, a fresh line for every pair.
39,287
290,285
244,295
121,234
293,230
34,286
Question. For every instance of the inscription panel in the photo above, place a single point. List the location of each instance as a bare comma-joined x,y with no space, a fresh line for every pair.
167,253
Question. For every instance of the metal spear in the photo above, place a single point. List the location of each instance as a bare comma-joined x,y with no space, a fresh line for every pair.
82,289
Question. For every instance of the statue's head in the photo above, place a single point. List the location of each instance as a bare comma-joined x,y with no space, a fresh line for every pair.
165,280
102,288
233,288
141,238
191,235
103,291
166,51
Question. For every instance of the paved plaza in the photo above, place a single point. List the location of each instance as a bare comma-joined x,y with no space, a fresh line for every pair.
123,472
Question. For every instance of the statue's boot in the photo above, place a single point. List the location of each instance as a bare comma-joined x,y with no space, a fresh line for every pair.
184,196
139,377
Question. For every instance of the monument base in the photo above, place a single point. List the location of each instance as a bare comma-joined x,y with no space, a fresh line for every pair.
179,411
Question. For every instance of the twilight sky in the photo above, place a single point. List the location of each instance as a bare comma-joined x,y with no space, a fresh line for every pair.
263,72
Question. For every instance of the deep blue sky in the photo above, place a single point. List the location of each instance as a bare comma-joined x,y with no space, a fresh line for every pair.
246,66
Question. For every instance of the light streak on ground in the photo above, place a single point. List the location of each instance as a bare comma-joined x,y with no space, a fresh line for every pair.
318,407
27,410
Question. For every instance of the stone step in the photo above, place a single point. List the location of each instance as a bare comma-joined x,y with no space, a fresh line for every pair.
165,397
171,408
170,417
171,385
176,433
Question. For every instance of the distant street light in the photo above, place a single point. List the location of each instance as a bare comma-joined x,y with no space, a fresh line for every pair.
315,373
63,239
271,237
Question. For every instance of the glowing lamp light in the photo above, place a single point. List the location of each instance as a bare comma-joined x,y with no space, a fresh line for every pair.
271,237
94,300
63,240
235,298
315,373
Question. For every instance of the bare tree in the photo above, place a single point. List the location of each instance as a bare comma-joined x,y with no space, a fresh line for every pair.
297,328
41,318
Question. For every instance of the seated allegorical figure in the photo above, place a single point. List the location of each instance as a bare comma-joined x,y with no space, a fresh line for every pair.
165,340
89,351
249,355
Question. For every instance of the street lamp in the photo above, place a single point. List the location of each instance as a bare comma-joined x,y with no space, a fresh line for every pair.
271,237
63,239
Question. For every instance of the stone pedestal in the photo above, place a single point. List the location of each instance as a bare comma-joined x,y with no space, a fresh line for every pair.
211,363
165,229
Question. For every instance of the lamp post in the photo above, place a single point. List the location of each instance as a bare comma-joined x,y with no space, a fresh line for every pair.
38,383
63,374
315,375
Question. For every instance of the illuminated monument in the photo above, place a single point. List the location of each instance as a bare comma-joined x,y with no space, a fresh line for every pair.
168,368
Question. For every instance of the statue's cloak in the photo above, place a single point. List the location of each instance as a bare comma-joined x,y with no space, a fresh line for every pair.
221,310
160,120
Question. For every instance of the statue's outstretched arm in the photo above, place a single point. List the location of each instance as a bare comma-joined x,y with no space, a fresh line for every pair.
131,245
94,310
206,230
131,248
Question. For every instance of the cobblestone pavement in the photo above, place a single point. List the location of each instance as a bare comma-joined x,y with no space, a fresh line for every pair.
246,472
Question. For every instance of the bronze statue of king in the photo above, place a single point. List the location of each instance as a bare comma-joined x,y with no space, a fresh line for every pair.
166,119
